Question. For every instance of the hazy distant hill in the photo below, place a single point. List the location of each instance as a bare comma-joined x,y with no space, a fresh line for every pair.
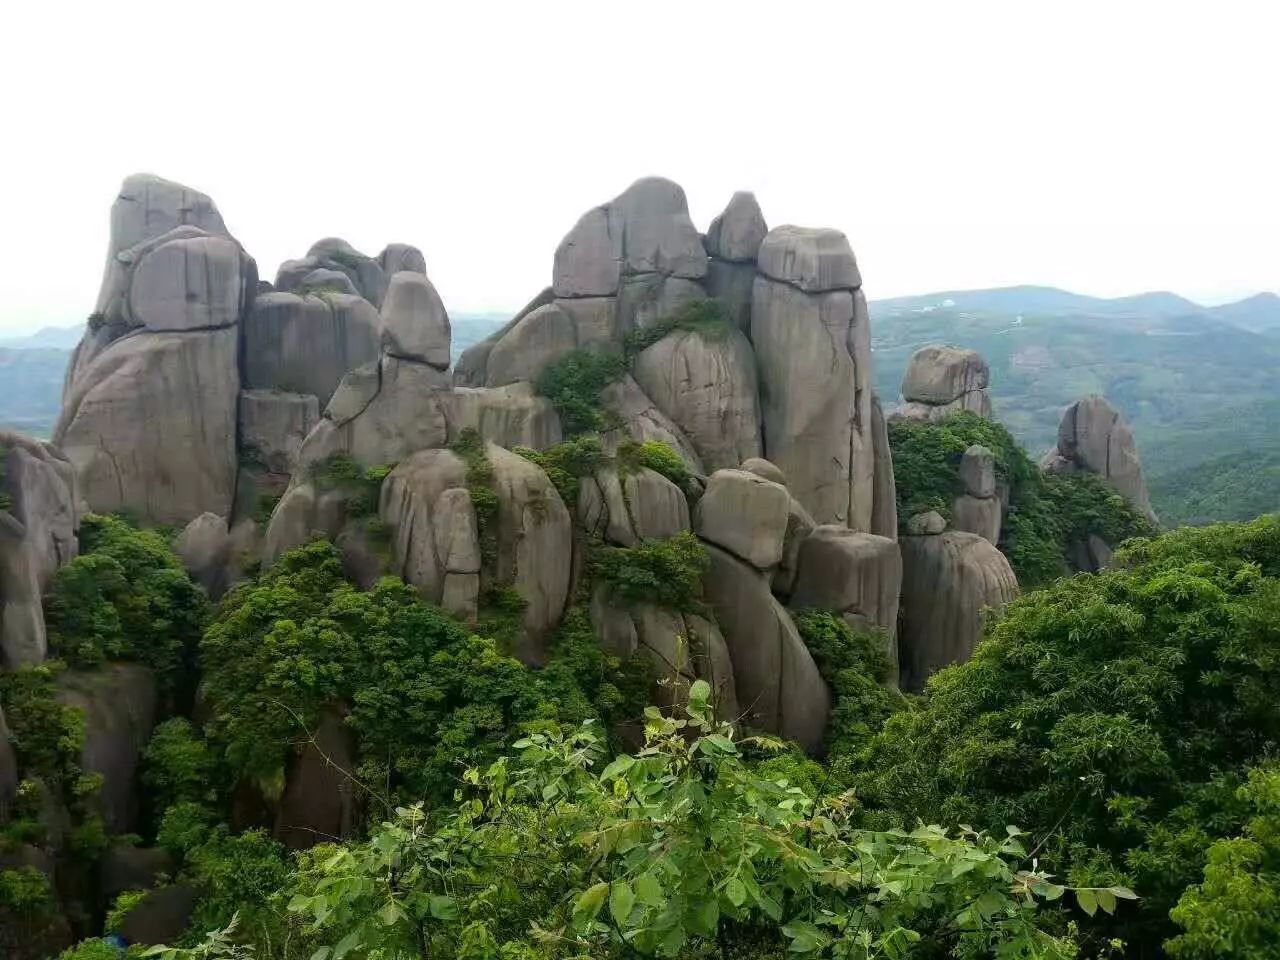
57,338
1199,385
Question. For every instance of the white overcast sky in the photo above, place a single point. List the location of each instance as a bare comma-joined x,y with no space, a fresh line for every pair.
1108,147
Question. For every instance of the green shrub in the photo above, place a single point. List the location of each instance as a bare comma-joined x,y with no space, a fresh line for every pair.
425,696
177,765
470,449
566,463
1047,513
126,597
1113,715
1234,912
574,382
708,318
856,668
361,486
667,573
121,908
97,949
656,456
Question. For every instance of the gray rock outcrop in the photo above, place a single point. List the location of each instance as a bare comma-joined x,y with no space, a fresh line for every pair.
119,705
857,575
306,344
415,324
777,684
204,547
706,384
625,506
978,510
746,515
334,253
809,326
320,800
949,581
1094,438
942,380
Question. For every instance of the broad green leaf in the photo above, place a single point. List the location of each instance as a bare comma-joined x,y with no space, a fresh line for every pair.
1124,893
621,899
443,908
735,891
321,954
590,902
346,944
649,890
1106,900
1088,902
618,767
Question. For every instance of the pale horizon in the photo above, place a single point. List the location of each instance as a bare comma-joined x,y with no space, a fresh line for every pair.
1106,150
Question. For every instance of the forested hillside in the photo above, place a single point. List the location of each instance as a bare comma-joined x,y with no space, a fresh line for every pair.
1195,388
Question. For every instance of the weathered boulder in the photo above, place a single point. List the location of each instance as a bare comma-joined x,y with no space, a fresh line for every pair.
303,514
809,326
815,260
731,284
706,384
627,506
150,425
643,421
799,525
126,867
857,575
415,324
980,515
471,370
978,471
162,916
273,425
511,416
737,232
777,684
324,280
645,229
119,705
188,284
38,487
646,299
401,256
382,420
333,253
1094,438
542,336
306,344
746,515
434,538
319,803
1090,555
926,524
941,380
148,207
681,647
22,635
763,468
534,540
204,546
949,581
884,500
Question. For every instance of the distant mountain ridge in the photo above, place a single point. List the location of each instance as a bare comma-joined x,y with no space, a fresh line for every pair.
1257,313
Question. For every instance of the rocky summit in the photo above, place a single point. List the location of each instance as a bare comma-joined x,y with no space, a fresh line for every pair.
673,449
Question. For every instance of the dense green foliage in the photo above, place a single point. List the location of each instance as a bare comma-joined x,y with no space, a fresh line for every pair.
125,597
573,383
1047,514
425,696
470,449
856,667
1234,913
567,462
666,573
679,850
359,485
1234,486
656,456
1113,716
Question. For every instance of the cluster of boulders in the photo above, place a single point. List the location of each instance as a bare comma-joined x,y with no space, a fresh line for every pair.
942,380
